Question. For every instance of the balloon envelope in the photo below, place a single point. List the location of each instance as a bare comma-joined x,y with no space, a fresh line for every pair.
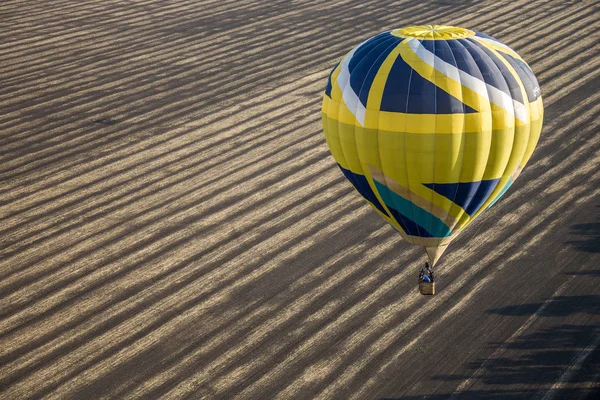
431,124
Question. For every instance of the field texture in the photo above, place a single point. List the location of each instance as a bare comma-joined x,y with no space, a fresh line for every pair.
172,224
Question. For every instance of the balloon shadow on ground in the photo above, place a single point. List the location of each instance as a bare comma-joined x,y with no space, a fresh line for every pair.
588,237
558,306
542,358
594,272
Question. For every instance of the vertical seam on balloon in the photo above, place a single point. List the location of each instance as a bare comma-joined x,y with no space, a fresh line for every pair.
526,104
342,104
526,99
339,123
351,54
358,102
395,43
405,160
524,95
394,203
385,176
491,133
502,58
492,128
434,137
464,128
528,122
355,126
379,157
541,114
357,105
392,218
467,53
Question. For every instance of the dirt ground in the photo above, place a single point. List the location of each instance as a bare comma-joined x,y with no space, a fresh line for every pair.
172,225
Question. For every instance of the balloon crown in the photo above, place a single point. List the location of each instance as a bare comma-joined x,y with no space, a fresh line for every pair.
433,32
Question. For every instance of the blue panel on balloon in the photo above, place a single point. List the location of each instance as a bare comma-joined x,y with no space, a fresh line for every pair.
409,226
415,220
362,185
490,72
460,58
468,195
443,51
408,92
329,85
527,77
511,81
364,71
366,48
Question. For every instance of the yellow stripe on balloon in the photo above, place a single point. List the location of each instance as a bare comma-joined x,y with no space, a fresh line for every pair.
492,45
376,91
424,123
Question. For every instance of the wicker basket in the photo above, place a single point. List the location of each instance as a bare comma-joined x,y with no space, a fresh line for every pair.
427,288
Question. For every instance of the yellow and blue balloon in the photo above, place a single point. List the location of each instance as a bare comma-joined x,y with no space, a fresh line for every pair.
432,124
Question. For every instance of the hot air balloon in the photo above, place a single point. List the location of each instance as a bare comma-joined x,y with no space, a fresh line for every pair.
431,124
